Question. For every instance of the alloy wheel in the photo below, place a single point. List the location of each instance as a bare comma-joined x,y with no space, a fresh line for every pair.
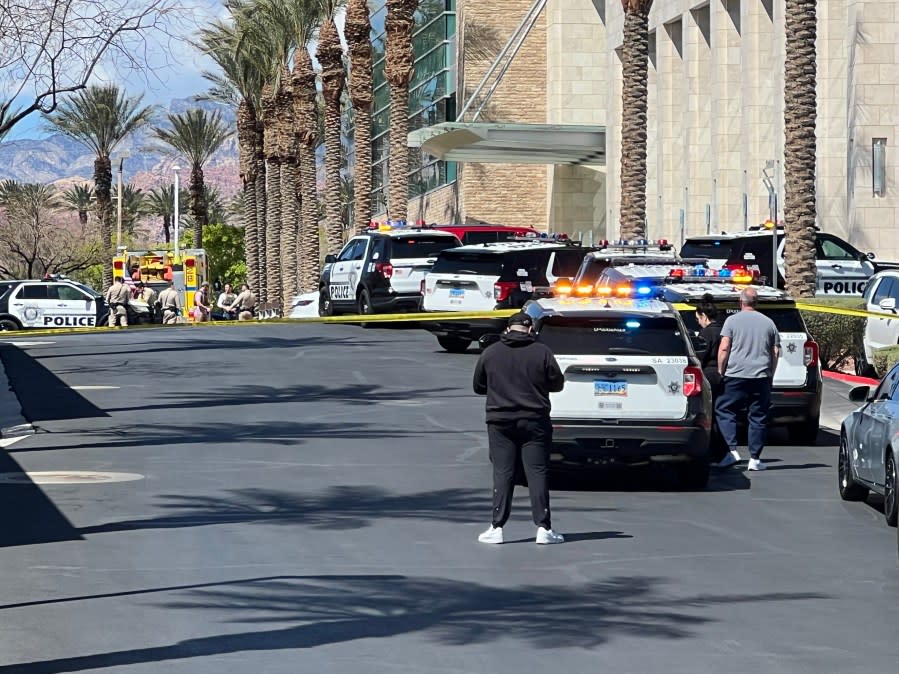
889,489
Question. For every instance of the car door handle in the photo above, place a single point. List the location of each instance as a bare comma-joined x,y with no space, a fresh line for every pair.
836,266
60,305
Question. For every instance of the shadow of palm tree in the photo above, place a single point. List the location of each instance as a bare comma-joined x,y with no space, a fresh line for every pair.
339,507
311,611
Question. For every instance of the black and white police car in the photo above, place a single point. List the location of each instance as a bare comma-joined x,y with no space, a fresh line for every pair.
634,391
51,303
492,276
843,270
380,270
610,253
796,396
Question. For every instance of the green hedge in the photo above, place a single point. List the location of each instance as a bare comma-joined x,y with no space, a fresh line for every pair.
839,337
885,359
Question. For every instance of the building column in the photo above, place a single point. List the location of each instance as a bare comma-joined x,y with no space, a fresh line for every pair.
697,136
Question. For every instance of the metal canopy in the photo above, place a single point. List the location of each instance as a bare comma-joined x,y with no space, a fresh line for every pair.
513,143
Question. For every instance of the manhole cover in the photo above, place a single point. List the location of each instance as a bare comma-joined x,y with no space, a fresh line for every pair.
66,477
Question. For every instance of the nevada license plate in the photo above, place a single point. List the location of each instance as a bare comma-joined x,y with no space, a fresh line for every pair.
604,387
457,292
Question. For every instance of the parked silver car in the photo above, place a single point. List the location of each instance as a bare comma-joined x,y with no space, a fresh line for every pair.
869,446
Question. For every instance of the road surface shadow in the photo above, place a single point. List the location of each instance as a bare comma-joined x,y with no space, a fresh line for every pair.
651,478
338,507
579,537
300,612
43,395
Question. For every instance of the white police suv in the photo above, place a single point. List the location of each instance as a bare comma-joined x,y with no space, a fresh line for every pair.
634,392
380,270
51,303
610,253
796,394
491,276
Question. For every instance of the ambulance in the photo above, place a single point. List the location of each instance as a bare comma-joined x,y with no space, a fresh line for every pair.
156,268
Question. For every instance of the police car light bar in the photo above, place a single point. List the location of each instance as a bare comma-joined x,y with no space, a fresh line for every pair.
701,273
635,244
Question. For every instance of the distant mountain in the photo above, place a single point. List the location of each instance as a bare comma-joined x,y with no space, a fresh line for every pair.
58,159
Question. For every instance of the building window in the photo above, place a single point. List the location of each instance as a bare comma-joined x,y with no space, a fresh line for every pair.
879,166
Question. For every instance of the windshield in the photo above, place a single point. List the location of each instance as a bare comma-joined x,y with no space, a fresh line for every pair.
90,291
621,335
786,319
590,270
408,247
708,248
480,264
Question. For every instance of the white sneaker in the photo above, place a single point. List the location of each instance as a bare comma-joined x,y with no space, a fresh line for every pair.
548,537
756,464
732,457
492,535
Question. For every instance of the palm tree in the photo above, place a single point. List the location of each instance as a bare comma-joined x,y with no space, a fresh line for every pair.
634,64
399,68
161,203
243,66
133,206
288,188
800,148
80,198
333,77
196,135
270,118
357,31
307,127
100,118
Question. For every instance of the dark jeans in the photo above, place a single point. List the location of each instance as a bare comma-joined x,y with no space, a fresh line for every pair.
743,398
528,441
718,448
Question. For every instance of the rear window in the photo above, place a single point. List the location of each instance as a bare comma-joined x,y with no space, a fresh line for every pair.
786,320
480,264
709,249
566,263
590,270
626,336
406,247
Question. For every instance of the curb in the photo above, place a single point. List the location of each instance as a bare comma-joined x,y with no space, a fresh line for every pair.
850,378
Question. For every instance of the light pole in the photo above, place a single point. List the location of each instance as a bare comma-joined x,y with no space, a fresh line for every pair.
177,215
118,230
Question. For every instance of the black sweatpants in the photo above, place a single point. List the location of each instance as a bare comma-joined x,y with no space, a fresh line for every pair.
528,441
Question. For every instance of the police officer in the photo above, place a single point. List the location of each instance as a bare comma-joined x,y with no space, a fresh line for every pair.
170,303
517,374
244,303
117,298
148,295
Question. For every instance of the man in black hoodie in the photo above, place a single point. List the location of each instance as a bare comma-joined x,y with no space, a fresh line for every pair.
517,374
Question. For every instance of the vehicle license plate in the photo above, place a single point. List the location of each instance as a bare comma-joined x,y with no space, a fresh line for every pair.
605,387
457,292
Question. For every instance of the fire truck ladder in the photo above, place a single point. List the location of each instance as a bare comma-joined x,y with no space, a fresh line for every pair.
501,63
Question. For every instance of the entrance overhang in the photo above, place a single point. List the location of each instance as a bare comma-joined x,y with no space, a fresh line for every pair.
491,143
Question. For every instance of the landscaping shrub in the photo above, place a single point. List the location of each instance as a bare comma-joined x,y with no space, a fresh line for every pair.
885,359
840,338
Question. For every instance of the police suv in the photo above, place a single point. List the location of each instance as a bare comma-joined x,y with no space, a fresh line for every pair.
796,395
491,276
380,270
842,269
634,391
636,252
52,303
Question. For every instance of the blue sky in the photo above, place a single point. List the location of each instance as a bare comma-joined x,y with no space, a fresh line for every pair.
174,68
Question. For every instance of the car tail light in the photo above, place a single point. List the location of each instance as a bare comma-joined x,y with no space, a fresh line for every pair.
502,290
385,269
692,381
810,353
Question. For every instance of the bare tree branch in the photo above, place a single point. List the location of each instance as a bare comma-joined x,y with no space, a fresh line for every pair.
49,48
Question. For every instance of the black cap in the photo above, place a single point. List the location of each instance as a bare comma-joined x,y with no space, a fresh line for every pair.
521,319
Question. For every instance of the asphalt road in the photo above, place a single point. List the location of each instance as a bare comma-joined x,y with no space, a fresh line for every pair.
309,499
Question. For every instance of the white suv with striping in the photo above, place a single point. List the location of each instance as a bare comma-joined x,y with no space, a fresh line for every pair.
634,391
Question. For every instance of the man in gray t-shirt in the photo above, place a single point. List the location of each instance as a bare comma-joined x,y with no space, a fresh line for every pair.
747,358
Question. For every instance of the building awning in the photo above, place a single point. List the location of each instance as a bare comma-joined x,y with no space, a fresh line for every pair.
490,143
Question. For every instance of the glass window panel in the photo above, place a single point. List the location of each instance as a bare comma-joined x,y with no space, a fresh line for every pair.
429,65
430,36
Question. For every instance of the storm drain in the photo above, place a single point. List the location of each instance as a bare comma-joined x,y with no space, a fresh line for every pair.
66,477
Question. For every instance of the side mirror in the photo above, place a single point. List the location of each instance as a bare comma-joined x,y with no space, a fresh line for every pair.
330,258
860,394
870,256
488,339
888,304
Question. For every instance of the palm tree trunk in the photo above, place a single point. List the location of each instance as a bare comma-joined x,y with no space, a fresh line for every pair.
82,217
399,69
310,253
634,65
273,230
167,227
800,209
103,190
198,203
333,77
289,232
246,140
357,31
261,214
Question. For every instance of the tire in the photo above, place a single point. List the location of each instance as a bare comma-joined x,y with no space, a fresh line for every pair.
325,307
806,433
364,303
695,474
454,344
863,368
9,324
890,500
850,490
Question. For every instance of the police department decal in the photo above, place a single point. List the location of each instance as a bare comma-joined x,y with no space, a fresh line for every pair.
32,314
